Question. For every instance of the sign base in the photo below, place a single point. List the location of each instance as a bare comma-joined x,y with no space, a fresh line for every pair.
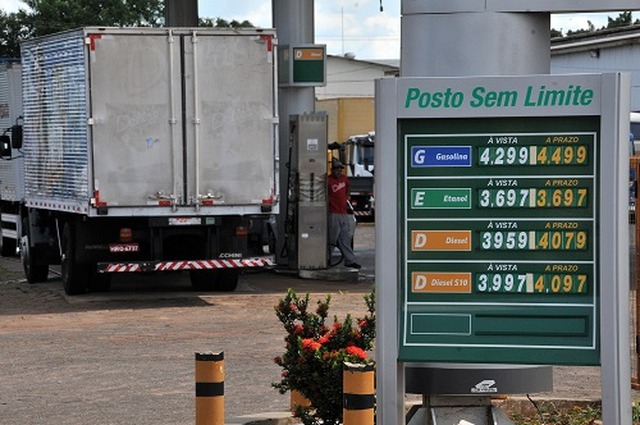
476,379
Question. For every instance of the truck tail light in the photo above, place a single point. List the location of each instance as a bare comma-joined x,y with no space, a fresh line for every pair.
126,235
242,231
267,204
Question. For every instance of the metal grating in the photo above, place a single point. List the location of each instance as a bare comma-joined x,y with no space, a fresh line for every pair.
54,77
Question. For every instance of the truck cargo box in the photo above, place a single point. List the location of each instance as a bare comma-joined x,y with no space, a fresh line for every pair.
148,150
142,121
10,115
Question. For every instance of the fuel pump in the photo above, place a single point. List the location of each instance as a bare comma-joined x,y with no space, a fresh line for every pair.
306,220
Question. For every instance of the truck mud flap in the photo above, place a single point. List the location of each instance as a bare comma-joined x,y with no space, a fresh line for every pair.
163,266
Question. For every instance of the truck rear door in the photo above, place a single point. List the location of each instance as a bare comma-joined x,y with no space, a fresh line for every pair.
136,119
186,118
230,98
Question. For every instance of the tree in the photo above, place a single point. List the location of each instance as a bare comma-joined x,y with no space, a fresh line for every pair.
13,28
624,19
555,33
222,23
51,16
590,28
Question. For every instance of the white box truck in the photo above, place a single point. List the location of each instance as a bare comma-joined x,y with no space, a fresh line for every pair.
11,165
148,150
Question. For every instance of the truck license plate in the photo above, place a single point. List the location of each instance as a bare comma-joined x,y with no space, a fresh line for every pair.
185,221
124,247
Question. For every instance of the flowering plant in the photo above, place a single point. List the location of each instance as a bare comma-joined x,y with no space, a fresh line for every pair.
315,352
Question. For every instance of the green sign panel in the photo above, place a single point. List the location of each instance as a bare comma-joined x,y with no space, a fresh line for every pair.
302,65
499,233
445,198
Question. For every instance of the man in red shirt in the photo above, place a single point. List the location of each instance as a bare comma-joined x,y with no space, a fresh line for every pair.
340,221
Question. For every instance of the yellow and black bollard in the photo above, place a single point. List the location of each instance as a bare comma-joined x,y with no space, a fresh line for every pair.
298,400
210,388
358,394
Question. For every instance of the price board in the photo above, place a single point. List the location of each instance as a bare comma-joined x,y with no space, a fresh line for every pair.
501,212
499,228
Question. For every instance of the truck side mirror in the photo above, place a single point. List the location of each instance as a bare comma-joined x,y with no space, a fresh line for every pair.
5,147
16,136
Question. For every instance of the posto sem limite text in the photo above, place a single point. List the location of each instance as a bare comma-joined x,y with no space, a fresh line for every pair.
482,98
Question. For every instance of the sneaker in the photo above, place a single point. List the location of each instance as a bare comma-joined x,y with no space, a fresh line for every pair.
353,265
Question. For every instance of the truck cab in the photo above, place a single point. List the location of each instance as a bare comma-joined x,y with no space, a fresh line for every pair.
357,153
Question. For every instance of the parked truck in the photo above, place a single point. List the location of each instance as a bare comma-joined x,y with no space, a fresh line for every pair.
146,150
11,165
356,153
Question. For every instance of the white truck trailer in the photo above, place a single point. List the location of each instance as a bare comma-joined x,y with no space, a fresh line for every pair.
148,150
11,165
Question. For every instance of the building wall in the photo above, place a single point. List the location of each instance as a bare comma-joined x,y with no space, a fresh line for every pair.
348,116
348,97
351,78
603,58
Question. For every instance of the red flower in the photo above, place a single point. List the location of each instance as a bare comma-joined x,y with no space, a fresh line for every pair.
298,330
309,344
324,339
356,351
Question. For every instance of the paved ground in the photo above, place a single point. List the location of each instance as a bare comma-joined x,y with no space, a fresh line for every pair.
127,356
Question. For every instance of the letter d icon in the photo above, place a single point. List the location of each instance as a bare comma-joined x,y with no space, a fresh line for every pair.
419,240
419,282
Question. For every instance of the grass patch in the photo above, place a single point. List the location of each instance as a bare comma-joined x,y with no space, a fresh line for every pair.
552,413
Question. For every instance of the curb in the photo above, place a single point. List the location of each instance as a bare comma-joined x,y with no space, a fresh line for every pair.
267,418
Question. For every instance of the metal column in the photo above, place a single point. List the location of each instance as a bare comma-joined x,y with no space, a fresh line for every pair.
294,21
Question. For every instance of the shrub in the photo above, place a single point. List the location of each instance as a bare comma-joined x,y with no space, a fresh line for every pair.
315,352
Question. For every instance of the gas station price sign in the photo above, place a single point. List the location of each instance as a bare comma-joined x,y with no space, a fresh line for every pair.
500,207
499,235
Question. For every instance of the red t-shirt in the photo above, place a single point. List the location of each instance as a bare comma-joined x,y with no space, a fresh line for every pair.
338,194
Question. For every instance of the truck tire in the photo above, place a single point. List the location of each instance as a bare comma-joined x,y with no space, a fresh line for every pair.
223,280
227,280
75,276
35,273
203,280
8,248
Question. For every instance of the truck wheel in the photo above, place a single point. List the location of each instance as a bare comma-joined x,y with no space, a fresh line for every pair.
75,276
204,280
34,273
8,248
227,280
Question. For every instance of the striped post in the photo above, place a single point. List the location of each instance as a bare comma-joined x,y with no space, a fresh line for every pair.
358,394
297,399
210,388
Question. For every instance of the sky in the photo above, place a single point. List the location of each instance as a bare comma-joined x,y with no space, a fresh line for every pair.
348,26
